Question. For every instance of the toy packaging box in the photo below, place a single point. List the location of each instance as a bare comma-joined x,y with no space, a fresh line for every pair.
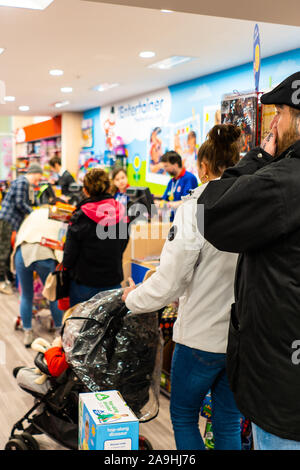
61,212
106,422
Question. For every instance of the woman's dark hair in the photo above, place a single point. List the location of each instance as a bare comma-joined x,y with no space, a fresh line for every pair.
221,149
172,157
96,182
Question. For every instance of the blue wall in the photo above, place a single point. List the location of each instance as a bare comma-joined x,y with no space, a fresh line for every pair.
192,97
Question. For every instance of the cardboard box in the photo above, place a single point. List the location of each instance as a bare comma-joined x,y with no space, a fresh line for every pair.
106,422
146,240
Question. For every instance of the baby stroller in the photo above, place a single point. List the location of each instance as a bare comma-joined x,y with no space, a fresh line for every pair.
107,347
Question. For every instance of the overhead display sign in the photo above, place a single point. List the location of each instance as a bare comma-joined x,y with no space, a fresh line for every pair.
256,57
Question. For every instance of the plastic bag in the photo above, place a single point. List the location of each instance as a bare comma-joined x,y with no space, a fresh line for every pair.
110,348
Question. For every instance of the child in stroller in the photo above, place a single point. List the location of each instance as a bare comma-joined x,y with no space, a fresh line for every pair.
106,347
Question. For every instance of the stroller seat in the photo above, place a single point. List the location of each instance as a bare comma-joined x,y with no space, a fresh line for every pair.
107,348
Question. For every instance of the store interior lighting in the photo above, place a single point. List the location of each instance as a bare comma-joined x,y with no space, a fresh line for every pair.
171,62
30,4
147,54
56,72
60,104
105,86
66,89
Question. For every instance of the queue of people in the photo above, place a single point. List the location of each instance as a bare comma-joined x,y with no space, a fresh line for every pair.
231,257
251,211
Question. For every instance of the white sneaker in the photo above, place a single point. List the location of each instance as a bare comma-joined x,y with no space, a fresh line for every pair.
28,338
6,288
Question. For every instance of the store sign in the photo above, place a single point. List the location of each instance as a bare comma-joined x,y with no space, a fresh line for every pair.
133,119
256,57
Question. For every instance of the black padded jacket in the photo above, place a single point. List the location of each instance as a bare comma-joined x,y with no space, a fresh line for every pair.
254,210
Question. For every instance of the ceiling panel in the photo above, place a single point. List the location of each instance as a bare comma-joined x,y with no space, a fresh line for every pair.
99,42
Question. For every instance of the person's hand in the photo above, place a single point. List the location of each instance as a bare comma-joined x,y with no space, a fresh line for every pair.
131,287
57,342
269,143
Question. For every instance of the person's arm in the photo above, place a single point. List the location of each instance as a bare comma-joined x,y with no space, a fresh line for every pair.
72,244
21,197
248,207
165,196
56,361
178,259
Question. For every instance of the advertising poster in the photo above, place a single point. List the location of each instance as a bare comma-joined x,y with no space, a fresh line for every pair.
142,119
87,133
211,117
185,139
6,158
241,110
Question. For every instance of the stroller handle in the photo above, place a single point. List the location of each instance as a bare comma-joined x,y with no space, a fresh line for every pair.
40,364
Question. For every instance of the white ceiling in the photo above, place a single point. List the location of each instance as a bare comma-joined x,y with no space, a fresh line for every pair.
267,11
99,42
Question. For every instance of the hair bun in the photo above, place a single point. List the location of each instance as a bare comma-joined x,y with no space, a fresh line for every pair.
224,134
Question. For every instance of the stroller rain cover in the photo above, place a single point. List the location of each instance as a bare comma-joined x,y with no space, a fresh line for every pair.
110,348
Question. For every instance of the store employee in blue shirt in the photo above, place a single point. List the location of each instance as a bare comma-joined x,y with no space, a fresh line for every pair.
182,181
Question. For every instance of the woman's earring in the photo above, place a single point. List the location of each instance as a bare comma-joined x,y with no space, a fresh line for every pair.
204,179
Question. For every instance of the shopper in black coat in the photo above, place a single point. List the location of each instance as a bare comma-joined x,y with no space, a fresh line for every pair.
254,210
96,239
65,179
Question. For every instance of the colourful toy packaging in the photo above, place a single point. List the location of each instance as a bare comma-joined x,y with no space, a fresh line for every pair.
106,422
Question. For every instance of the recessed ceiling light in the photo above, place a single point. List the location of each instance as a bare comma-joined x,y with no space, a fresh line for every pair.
24,108
171,62
105,86
147,54
60,104
56,72
2,50
66,89
31,4
9,98
166,11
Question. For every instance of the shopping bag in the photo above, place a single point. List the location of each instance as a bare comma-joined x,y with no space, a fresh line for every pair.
57,284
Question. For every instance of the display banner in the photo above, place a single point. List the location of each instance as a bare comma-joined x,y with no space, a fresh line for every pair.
256,57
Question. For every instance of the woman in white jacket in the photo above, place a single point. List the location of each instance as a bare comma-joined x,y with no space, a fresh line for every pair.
202,277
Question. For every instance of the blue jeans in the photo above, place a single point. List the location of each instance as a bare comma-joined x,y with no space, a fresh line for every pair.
80,293
25,277
265,441
193,374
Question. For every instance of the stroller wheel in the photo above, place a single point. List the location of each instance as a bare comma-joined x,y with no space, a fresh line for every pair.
144,443
16,444
30,441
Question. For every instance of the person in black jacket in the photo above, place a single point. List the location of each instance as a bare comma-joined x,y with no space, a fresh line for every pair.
96,239
64,177
254,210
